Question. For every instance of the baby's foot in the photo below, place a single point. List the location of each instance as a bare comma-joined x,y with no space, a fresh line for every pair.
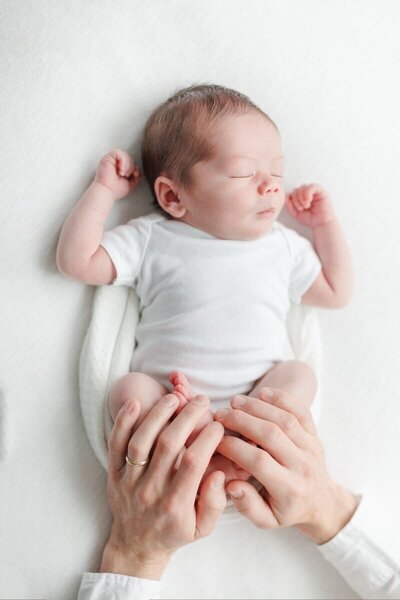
183,391
181,388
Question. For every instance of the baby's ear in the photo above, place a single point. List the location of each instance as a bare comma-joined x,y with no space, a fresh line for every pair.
167,195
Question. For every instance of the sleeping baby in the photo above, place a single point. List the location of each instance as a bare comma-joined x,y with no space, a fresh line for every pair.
214,270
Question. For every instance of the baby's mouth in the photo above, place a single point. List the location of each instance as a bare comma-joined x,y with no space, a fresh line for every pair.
268,212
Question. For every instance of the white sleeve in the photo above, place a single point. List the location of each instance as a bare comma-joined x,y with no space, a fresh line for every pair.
305,263
366,554
126,245
110,586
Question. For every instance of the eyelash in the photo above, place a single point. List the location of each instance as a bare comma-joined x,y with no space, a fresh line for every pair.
251,174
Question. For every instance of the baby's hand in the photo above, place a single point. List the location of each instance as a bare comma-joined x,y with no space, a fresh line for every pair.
118,172
310,205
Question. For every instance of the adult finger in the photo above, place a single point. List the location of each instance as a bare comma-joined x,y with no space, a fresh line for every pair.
267,435
256,461
211,503
251,505
195,461
287,421
144,438
173,438
291,404
120,436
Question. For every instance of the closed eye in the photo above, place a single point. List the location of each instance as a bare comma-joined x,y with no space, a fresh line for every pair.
251,175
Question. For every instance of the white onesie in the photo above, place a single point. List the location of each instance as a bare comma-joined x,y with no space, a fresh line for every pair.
213,309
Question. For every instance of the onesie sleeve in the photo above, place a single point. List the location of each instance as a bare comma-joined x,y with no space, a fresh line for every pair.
304,264
126,245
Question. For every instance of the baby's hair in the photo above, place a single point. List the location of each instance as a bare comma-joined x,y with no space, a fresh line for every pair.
176,134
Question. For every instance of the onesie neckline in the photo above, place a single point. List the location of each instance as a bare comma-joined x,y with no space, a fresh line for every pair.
186,229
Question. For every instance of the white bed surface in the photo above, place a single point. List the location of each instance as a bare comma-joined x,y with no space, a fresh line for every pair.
79,79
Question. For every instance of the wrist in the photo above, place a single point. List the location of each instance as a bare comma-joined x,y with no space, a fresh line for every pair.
329,221
102,188
333,513
123,561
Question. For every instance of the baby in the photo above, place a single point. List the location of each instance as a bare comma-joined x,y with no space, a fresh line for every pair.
213,269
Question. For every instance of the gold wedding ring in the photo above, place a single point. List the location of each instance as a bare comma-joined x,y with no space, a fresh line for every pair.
134,463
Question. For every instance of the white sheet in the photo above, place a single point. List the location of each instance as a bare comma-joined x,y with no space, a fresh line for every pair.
81,78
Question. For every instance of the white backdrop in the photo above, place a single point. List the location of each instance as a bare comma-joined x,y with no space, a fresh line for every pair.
80,78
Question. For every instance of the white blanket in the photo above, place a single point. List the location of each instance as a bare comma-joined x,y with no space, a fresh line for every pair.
79,78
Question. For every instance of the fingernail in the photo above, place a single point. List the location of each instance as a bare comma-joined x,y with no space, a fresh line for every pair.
238,401
267,392
170,400
201,400
221,413
129,406
236,494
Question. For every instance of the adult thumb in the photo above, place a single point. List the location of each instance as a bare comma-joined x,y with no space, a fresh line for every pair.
251,505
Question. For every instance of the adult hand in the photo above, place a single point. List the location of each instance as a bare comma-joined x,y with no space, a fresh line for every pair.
288,460
154,507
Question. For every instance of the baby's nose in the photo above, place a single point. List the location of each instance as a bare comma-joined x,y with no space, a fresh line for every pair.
268,187
272,188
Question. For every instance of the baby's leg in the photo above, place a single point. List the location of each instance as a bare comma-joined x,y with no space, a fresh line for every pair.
293,376
136,386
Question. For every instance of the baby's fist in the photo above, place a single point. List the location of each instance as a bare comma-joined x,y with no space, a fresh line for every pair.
118,172
310,205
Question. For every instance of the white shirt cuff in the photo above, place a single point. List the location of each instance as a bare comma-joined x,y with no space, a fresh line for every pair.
98,586
365,560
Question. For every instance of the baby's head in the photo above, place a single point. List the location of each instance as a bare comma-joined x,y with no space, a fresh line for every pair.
213,160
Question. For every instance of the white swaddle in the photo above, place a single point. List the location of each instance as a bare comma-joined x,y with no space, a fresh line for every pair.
109,344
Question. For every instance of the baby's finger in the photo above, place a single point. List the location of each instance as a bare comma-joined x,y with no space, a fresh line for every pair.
307,195
124,163
296,201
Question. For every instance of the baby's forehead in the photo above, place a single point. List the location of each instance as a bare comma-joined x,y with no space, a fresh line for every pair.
240,136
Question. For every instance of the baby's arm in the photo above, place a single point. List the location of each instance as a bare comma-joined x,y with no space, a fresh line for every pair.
311,206
79,254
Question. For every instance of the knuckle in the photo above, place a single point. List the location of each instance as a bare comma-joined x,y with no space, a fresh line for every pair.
113,447
145,496
307,469
191,461
134,450
288,422
235,416
166,443
171,506
272,431
260,460
297,490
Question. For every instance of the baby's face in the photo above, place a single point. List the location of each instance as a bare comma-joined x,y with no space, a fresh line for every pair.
231,192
